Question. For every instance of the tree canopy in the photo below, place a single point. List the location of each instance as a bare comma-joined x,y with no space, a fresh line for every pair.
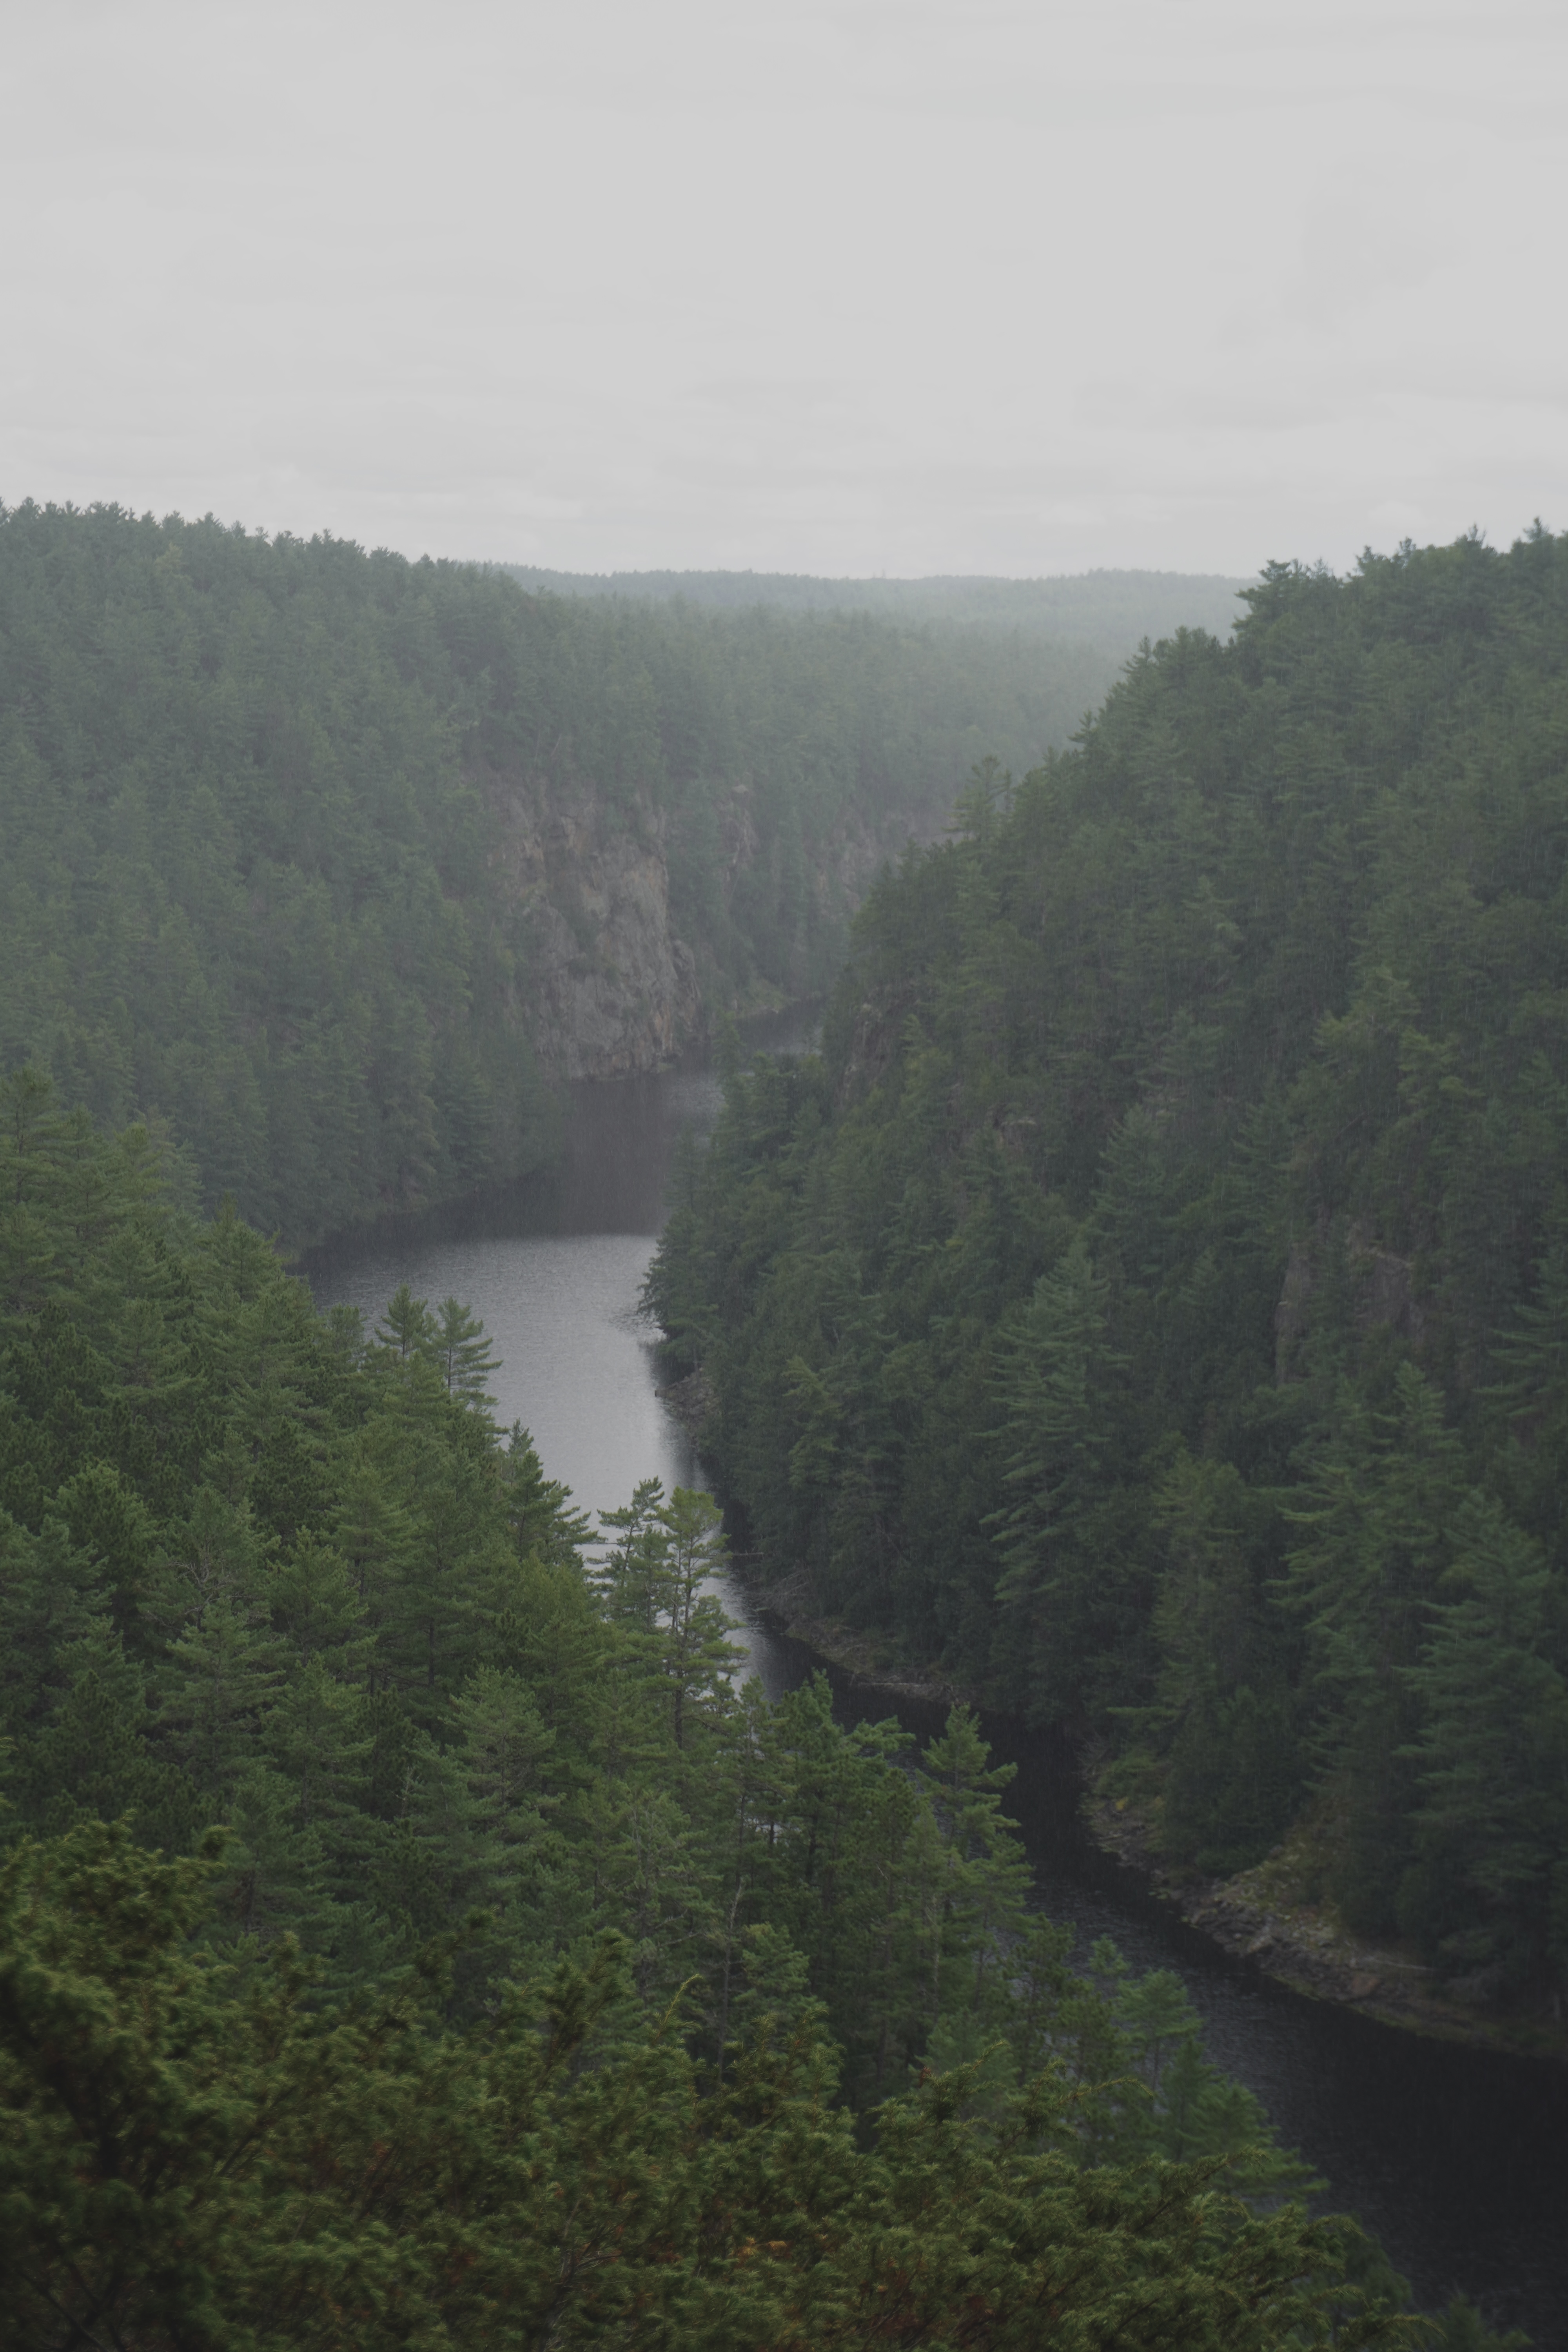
294,831
1152,1302
408,1935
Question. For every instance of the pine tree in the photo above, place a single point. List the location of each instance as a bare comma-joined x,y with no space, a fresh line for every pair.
1223,1712
988,1872
50,1598
408,1328
537,1507
1061,1604
319,1605
1381,1518
466,1358
316,1735
693,1653
505,1754
1532,1393
378,1537
633,1573
221,2153
1489,1889
92,1759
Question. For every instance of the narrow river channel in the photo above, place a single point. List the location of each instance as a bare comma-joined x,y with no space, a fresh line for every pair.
1457,2158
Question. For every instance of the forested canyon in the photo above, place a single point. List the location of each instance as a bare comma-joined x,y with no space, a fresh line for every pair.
1143,1313
334,861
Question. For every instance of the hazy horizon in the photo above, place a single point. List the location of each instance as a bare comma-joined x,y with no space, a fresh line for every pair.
857,579
897,288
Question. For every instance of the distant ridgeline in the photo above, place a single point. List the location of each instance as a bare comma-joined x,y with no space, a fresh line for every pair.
319,857
1154,1302
1110,611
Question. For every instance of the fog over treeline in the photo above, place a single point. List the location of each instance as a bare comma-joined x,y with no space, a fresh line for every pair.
1111,610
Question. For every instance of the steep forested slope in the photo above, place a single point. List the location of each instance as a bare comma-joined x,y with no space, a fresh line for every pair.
408,1935
1154,1302
316,855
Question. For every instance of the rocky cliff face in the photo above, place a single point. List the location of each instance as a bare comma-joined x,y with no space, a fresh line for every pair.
606,988
609,990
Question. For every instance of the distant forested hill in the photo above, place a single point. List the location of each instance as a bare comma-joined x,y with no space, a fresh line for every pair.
1154,1302
1109,610
318,856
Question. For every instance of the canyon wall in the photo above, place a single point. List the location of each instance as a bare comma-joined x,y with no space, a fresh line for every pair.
609,990
606,986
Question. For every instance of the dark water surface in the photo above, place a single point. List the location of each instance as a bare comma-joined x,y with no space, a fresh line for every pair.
1457,2158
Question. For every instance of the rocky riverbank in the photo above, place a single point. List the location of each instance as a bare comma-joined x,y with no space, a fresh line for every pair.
691,1400
1261,1915
869,1664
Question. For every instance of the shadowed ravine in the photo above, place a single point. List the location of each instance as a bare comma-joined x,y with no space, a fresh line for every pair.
1457,2158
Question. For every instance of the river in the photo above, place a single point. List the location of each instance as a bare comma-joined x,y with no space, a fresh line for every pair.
1457,2158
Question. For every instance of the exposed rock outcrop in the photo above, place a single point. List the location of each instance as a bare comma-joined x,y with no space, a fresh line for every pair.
869,1661
606,988
873,1043
1259,1915
691,1400
610,991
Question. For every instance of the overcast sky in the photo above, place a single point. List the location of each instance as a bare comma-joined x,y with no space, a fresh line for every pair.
836,286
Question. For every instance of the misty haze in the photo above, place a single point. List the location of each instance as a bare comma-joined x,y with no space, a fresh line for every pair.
784,1098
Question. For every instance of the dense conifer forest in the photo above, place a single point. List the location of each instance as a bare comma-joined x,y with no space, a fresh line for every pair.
259,885
409,1936
1152,1302
1149,1301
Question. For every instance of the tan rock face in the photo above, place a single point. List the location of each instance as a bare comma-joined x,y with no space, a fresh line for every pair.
608,991
604,987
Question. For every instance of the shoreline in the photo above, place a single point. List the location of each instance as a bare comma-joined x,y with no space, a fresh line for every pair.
855,1655
1254,1915
695,1053
788,1604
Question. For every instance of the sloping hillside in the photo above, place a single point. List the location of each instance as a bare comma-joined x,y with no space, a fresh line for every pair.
330,862
1152,1304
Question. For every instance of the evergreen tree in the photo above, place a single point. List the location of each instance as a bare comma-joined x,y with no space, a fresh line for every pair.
693,1653
450,1762
1169,1235
987,1877
50,1600
540,1523
408,1327
1062,1607
1490,1887
466,1358
1381,1521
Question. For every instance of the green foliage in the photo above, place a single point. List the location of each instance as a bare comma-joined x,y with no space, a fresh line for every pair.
284,823
409,1936
199,2155
1168,1247
1491,1757
246,894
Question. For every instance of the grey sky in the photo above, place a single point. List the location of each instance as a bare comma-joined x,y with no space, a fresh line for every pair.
841,285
